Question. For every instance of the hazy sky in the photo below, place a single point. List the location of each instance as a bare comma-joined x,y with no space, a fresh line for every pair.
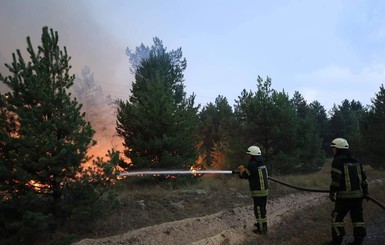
328,50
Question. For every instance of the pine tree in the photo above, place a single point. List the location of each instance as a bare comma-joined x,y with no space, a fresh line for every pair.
373,133
89,94
308,136
283,128
345,122
159,123
43,144
217,121
98,108
318,112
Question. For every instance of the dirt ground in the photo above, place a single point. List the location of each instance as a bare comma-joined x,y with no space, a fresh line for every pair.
232,226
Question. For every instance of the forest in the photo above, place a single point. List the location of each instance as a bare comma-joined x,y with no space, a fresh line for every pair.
49,119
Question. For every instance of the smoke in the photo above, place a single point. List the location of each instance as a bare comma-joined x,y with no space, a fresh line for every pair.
87,43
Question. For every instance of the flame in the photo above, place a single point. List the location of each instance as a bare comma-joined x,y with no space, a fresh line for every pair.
105,141
193,169
39,187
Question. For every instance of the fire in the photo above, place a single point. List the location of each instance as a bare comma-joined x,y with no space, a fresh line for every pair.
101,148
38,186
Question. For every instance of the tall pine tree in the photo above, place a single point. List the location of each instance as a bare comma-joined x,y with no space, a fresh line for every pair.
373,133
308,136
280,126
345,122
43,144
159,123
217,121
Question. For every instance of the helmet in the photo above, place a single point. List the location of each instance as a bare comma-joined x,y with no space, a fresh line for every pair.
254,151
340,143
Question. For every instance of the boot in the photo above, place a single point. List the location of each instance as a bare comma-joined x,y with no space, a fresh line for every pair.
357,241
264,228
335,241
258,229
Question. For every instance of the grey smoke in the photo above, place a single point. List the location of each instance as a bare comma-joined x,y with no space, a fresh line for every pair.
87,42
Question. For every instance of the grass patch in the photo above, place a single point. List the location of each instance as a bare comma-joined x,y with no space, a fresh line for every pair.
143,204
312,225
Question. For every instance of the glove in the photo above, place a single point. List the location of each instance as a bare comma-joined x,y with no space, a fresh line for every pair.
241,168
332,196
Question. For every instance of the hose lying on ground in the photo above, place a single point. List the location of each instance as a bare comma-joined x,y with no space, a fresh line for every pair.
322,190
174,172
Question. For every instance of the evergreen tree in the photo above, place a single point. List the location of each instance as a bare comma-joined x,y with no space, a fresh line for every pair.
309,142
318,112
284,135
89,94
345,122
373,131
96,106
253,112
217,122
43,144
143,52
283,128
267,118
159,123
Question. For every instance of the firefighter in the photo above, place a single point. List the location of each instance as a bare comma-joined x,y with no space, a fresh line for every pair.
347,189
257,174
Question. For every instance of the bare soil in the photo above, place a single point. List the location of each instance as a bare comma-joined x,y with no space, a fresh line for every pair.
220,212
231,226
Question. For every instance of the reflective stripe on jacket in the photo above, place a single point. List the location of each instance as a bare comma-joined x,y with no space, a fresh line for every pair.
348,177
256,173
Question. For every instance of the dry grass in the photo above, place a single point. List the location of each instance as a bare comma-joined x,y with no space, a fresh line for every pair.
147,205
312,225
142,206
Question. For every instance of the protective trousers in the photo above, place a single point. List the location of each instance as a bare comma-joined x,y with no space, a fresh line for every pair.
342,207
260,213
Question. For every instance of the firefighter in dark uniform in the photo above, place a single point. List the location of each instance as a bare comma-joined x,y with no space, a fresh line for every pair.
257,174
348,188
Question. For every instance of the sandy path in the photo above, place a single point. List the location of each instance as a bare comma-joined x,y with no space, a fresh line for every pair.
226,227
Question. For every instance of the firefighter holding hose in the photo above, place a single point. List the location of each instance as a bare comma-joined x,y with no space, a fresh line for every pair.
257,175
348,188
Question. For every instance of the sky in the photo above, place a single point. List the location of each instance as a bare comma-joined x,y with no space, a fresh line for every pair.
328,50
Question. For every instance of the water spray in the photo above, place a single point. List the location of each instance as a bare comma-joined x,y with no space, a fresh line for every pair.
199,172
176,172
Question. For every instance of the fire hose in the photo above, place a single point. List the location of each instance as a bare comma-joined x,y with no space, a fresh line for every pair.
199,172
322,190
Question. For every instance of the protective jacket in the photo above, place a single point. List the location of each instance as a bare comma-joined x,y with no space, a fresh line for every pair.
257,174
348,176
